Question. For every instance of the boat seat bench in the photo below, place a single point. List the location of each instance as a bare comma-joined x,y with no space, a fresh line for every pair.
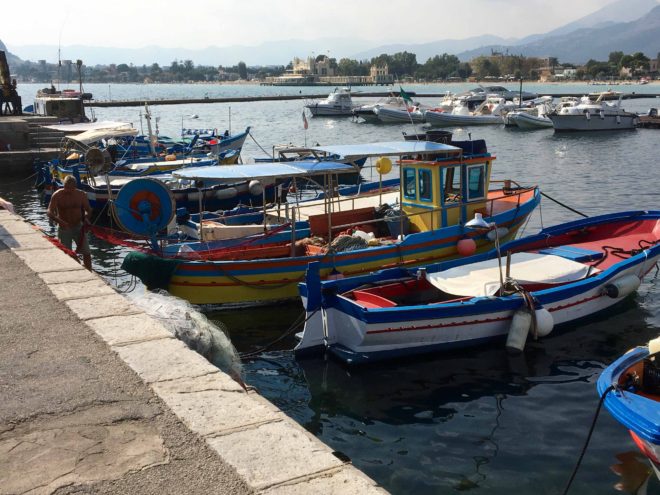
573,253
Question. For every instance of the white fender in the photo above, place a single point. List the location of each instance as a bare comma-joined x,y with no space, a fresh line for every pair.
544,322
520,325
256,188
623,286
226,193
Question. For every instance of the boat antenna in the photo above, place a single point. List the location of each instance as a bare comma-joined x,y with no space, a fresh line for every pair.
59,52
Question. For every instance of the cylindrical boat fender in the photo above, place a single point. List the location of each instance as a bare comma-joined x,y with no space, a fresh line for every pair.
544,322
622,286
226,193
194,196
256,188
520,325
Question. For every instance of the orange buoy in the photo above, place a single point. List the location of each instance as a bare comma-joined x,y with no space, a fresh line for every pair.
466,247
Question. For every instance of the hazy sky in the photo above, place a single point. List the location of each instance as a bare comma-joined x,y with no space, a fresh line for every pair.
201,23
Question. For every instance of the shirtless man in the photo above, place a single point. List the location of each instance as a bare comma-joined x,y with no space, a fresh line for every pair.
70,208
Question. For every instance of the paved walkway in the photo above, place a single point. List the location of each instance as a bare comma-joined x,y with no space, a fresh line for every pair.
99,398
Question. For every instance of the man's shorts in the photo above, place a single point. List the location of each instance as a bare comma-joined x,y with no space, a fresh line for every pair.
69,236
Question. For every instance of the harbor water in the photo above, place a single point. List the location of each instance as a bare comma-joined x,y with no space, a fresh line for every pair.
478,420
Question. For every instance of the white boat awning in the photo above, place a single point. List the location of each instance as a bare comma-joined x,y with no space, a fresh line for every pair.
89,126
272,170
483,278
92,136
393,148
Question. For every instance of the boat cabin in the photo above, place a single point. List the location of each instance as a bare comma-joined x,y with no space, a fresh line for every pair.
66,104
447,190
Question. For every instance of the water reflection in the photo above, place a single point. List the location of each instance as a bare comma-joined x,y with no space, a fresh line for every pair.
635,472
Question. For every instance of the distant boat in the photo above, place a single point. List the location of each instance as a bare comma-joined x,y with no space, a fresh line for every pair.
593,116
339,102
67,105
490,111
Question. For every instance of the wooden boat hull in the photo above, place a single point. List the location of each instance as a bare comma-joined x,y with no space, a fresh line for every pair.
270,280
358,332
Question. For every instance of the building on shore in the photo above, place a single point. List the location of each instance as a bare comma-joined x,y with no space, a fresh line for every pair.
320,71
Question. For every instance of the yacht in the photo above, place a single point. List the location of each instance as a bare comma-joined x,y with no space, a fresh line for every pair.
590,115
339,102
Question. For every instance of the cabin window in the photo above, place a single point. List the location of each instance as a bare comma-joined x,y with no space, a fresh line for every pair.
451,184
476,182
409,190
425,186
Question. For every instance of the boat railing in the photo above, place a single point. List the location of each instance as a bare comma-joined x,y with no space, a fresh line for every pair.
507,193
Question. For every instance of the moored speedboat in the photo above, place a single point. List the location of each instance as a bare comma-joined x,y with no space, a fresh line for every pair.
491,111
368,112
339,102
400,115
563,273
631,385
593,116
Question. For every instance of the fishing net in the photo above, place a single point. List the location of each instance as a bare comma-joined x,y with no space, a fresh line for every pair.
193,328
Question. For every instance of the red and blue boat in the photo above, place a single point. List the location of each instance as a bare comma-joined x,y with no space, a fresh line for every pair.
631,386
564,273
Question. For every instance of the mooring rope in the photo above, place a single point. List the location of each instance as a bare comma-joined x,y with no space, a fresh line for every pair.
564,205
294,326
586,443
260,147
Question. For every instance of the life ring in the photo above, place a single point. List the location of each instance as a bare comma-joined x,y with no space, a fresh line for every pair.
148,197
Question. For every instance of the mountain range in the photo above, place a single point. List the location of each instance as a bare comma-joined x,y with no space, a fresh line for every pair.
624,25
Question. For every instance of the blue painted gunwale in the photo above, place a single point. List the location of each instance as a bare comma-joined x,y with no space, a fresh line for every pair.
637,413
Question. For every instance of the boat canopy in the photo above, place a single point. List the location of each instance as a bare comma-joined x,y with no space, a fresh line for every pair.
92,136
89,126
272,170
392,148
483,278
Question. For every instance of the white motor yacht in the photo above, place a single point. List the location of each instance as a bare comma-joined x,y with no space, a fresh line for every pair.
588,115
339,102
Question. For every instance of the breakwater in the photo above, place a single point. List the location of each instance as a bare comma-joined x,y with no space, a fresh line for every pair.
243,99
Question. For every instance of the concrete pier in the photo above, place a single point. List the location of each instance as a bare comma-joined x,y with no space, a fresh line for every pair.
99,397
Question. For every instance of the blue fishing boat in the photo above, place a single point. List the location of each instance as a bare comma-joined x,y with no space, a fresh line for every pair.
631,389
564,273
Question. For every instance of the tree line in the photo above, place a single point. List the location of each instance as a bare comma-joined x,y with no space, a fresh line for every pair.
403,65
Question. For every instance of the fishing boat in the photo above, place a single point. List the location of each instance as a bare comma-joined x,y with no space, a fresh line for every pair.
564,273
590,115
339,102
442,186
631,390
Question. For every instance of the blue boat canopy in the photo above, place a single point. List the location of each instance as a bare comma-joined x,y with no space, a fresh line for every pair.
272,170
391,148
